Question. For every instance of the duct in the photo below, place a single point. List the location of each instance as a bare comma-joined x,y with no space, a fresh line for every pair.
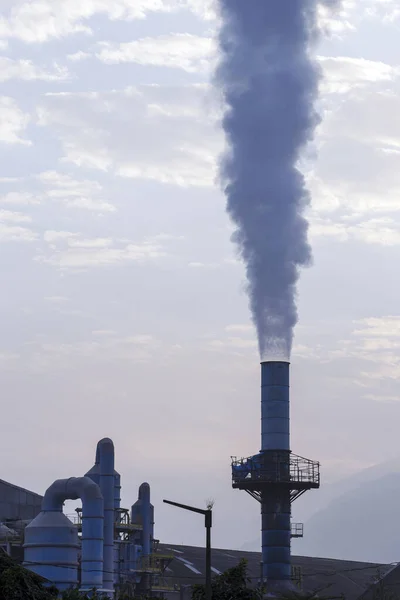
107,486
51,534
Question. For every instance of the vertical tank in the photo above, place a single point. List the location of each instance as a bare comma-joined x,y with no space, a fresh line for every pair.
107,485
104,474
51,549
143,512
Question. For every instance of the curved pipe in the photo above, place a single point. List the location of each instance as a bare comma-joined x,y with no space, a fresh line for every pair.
105,449
92,522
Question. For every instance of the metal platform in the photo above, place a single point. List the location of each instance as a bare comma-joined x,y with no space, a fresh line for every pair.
277,468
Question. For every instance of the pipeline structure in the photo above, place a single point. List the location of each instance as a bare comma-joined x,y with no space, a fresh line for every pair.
103,547
276,477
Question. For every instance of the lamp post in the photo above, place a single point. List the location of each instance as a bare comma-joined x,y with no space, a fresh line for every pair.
208,524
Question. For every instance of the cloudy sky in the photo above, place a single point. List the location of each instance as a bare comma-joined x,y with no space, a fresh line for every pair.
123,311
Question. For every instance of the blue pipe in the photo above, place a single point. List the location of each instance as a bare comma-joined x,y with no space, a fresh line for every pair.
275,460
107,486
46,538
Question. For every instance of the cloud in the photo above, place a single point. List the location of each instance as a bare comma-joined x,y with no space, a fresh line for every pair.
13,121
19,199
349,14
180,50
106,347
42,20
383,231
78,56
27,71
72,251
161,133
15,233
56,299
343,74
14,217
373,345
240,328
355,181
85,194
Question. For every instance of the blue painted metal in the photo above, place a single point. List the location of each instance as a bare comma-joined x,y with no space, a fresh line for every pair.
275,417
51,549
275,502
50,538
107,485
117,490
144,496
143,512
95,475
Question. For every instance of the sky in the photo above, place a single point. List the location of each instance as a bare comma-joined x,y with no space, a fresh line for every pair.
124,312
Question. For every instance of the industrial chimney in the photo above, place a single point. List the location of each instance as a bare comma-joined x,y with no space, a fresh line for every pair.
275,477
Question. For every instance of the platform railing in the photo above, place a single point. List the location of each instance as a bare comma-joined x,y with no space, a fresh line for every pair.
275,467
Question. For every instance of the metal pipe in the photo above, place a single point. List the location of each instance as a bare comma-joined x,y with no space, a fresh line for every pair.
107,486
92,523
208,524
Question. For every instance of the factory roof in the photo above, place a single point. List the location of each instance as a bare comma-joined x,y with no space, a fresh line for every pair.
387,586
7,484
332,577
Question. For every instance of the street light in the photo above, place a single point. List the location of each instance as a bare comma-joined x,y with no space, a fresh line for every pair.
208,524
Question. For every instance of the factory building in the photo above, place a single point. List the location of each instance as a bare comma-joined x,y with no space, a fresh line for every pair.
103,546
111,548
18,504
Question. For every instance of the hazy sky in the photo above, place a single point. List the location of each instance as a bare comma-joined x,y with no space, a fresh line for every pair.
123,311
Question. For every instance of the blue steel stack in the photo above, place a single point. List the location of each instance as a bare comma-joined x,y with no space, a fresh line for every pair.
275,476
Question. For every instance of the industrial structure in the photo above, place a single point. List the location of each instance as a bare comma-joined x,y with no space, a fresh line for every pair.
112,549
276,477
103,546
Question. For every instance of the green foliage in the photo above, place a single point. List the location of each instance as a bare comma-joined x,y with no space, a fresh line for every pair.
231,585
17,583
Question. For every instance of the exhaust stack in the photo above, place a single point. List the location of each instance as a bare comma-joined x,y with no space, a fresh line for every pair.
275,418
275,477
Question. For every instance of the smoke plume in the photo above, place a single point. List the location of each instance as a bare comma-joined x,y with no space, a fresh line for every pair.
269,82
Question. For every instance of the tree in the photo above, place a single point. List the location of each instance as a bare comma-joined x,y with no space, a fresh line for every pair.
231,585
17,583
